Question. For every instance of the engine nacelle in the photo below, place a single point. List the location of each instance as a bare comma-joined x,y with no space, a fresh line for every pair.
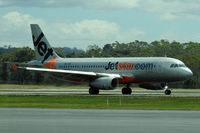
105,83
154,86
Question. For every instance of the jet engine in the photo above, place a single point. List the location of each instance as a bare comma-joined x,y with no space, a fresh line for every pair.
105,83
154,86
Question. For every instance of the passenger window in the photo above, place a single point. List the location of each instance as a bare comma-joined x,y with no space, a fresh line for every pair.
172,65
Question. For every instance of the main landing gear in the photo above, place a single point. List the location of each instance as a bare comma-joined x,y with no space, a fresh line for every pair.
126,90
93,91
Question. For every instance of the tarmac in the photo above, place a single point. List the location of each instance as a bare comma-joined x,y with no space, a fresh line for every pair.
71,91
14,120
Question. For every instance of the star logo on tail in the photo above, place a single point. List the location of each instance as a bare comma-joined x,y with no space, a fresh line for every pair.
51,63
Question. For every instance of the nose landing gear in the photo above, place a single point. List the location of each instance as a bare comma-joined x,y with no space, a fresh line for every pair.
165,87
167,92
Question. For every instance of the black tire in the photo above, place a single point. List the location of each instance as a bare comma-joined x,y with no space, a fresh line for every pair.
93,91
167,92
126,91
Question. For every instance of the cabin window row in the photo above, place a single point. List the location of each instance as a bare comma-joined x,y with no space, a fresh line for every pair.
83,66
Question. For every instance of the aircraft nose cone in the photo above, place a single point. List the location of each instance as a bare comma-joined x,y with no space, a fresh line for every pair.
188,73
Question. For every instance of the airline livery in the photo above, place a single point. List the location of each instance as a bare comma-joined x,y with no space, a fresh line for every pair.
107,73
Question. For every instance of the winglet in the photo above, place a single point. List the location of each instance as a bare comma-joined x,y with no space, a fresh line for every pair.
15,67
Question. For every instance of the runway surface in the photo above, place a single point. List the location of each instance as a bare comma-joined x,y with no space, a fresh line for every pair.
70,91
97,121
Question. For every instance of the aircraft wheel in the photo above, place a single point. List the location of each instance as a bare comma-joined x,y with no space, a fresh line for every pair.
167,92
93,91
126,91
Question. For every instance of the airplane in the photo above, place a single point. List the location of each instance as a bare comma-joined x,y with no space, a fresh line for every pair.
153,73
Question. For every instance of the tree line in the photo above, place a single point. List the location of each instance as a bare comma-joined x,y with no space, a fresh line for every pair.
189,53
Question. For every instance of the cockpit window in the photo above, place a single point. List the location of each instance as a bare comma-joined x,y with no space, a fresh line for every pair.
181,65
177,65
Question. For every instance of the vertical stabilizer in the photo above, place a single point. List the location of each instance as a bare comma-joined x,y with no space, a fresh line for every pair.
43,51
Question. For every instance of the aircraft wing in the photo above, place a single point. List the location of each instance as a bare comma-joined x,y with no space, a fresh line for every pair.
80,76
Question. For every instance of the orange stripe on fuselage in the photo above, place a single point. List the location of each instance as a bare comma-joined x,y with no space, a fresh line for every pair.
51,63
127,80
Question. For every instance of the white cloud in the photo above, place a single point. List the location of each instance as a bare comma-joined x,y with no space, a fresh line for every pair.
180,36
87,32
130,35
15,21
90,4
169,9
1,3
15,28
168,17
109,4
86,29
15,31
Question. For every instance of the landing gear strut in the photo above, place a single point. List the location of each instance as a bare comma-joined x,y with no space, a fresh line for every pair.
127,90
167,92
93,91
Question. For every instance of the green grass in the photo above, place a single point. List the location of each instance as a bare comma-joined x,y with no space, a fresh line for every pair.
100,102
8,86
